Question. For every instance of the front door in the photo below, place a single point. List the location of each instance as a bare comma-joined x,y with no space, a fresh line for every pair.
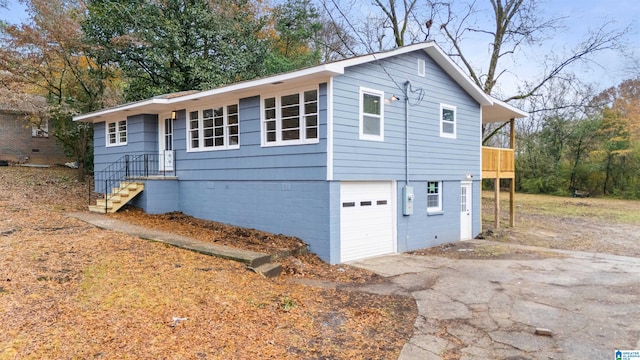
165,143
465,211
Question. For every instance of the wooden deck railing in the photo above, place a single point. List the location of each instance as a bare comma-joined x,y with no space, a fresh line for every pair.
497,163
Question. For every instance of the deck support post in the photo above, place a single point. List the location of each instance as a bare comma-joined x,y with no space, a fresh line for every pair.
512,185
496,185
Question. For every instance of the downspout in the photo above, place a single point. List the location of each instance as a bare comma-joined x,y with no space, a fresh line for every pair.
406,131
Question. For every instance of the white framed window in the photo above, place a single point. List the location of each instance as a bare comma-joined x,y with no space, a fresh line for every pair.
448,121
371,114
40,130
290,118
215,128
434,196
117,133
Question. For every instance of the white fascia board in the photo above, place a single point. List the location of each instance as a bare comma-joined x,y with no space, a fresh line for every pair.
125,107
500,111
517,112
166,102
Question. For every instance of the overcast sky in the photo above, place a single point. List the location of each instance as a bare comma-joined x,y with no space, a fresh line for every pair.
582,16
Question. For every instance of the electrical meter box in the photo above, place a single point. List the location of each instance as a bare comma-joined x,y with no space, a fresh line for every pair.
407,200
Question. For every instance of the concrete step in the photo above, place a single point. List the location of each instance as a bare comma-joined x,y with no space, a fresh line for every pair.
98,209
269,270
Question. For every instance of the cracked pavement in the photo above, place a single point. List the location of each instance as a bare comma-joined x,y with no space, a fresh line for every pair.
490,309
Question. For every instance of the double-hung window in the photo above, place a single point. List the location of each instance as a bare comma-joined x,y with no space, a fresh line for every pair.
290,119
434,196
371,114
447,121
117,133
214,128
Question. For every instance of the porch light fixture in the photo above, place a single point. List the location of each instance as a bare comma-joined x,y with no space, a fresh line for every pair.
173,115
390,100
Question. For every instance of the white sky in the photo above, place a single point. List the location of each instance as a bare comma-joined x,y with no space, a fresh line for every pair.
582,16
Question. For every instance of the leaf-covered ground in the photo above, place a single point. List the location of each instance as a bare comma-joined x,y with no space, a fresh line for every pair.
69,290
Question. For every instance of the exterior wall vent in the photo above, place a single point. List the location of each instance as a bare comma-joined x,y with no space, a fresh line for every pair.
421,68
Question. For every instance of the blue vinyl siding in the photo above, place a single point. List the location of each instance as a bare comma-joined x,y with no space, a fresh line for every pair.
142,137
431,156
252,161
422,230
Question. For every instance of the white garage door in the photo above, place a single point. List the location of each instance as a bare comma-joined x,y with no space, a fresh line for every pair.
367,212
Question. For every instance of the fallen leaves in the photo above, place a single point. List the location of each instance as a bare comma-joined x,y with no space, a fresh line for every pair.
69,290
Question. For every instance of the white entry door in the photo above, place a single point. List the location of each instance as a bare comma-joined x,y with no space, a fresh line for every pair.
465,211
165,143
367,225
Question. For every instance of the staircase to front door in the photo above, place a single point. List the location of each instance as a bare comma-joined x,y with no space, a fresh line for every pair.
121,195
122,181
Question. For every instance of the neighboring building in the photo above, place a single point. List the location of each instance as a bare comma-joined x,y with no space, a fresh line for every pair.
22,142
332,154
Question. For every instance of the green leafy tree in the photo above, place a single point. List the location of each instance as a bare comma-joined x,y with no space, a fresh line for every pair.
295,42
176,45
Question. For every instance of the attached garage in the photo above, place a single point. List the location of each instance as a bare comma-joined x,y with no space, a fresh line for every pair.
367,219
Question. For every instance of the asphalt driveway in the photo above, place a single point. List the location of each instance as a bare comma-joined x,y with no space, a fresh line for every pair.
491,309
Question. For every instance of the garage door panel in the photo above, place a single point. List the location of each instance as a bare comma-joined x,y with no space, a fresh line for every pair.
366,224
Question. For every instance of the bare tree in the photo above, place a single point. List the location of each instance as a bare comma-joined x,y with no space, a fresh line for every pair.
515,27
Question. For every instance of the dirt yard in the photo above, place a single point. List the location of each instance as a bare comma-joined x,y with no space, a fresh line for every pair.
609,226
69,290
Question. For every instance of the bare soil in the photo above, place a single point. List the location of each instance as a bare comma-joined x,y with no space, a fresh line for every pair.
70,290
609,226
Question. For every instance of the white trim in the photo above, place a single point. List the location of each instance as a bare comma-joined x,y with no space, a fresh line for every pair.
394,217
329,129
442,122
225,127
374,92
117,133
300,91
433,209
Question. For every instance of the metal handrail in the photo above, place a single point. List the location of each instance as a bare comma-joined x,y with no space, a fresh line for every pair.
128,167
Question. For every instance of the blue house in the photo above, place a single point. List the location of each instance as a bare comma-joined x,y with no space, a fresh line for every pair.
361,157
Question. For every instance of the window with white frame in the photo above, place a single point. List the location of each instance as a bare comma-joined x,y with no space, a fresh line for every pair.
447,121
371,114
117,133
290,119
213,128
41,129
434,196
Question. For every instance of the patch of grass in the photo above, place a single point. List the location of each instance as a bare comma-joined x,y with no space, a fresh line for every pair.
615,210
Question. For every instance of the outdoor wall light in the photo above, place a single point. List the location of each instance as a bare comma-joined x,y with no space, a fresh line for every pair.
392,99
173,115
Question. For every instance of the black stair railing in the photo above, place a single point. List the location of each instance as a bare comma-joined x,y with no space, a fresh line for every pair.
127,168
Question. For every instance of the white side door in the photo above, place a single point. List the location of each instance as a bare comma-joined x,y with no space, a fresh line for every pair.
165,143
466,215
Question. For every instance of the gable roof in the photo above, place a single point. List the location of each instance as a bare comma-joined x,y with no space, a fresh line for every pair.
167,102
